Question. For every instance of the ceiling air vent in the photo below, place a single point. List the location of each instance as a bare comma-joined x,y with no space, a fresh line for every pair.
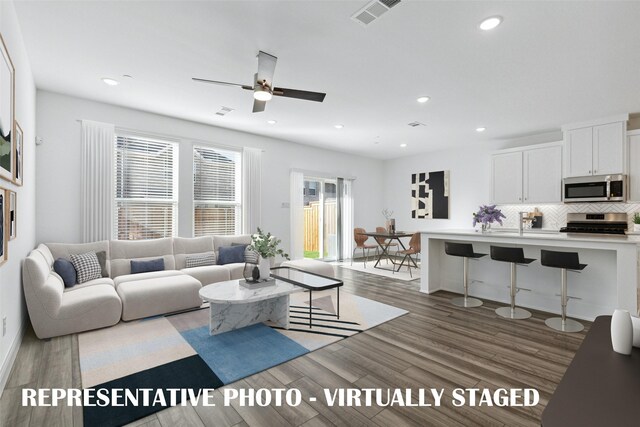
373,11
416,124
224,111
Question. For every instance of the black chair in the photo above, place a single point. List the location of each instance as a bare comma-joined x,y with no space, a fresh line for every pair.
465,251
564,261
513,256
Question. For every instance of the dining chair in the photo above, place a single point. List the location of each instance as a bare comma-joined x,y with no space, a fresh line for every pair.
414,249
361,240
382,241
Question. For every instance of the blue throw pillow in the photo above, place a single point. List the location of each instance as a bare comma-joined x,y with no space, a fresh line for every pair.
67,271
147,266
231,254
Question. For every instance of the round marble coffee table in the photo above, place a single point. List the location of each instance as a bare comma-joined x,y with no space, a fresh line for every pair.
233,306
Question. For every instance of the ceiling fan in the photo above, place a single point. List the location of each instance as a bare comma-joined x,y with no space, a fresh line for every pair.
263,88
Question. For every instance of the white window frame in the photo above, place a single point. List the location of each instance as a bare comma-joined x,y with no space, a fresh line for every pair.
174,201
238,191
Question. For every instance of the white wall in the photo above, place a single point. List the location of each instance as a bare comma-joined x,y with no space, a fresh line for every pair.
58,186
11,298
470,181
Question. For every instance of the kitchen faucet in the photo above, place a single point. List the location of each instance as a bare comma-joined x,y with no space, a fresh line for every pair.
521,220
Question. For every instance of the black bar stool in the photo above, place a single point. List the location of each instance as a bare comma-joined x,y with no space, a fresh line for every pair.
464,250
513,256
564,261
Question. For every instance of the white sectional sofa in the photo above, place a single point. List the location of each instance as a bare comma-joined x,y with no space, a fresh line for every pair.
55,310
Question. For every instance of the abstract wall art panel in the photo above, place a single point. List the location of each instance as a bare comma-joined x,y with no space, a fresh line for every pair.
430,195
7,89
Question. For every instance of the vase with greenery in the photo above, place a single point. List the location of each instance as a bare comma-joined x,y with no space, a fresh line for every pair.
487,215
266,245
636,222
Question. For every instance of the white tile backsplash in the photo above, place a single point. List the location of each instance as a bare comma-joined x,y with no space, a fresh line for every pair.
555,216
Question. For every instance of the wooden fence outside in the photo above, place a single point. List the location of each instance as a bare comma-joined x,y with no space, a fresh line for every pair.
311,223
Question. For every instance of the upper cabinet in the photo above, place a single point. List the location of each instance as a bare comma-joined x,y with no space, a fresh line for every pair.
596,148
530,174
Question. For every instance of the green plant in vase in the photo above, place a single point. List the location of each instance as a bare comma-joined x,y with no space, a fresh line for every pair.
636,222
266,245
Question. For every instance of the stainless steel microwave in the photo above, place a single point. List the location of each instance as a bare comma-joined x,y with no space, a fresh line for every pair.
601,188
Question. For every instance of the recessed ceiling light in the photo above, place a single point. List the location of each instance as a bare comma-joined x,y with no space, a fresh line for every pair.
338,126
423,99
403,145
110,82
490,23
271,122
480,129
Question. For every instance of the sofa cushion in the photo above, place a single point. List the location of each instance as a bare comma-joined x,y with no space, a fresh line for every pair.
185,246
145,298
236,270
87,266
47,254
223,241
312,266
66,271
100,281
231,254
143,276
209,274
123,251
147,266
200,260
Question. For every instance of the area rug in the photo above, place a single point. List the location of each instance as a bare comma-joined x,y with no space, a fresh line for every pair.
176,351
402,275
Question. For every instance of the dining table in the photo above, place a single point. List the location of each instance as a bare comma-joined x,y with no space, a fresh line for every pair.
384,240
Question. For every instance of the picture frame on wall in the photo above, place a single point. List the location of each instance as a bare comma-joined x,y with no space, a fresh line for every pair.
18,154
12,215
4,238
7,113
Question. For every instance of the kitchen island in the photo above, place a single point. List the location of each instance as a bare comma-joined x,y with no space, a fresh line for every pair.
610,281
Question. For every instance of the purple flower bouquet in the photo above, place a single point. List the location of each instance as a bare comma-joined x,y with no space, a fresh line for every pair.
486,215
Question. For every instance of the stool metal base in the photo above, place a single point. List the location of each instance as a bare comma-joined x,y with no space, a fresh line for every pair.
568,325
467,302
516,313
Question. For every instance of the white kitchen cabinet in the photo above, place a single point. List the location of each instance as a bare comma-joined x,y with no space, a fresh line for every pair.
596,149
507,177
542,175
634,165
531,174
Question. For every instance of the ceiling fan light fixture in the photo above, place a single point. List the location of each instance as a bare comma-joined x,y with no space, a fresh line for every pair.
262,94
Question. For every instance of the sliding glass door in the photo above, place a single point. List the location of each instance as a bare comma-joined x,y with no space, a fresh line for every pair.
320,219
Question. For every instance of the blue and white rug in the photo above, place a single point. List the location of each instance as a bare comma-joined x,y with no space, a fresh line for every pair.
177,351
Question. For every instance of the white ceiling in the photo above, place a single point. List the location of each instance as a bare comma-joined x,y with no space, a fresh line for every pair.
549,63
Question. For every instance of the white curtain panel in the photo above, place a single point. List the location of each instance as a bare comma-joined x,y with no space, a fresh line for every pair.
251,189
296,206
97,180
347,219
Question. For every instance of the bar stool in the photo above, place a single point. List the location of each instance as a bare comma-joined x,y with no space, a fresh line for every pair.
513,256
564,261
464,250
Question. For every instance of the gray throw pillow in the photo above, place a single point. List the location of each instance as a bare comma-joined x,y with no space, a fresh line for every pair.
87,266
200,260
102,259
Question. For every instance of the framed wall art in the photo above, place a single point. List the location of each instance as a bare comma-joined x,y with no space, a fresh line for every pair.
18,154
7,109
4,237
12,218
430,195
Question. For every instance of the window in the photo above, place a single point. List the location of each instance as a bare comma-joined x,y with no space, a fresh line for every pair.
146,188
216,191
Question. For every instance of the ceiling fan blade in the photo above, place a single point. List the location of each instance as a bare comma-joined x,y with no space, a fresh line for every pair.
258,106
215,82
266,67
299,94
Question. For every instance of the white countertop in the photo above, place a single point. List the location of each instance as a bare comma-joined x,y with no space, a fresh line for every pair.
537,235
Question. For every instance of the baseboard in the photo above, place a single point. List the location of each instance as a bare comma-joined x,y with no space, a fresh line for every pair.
5,371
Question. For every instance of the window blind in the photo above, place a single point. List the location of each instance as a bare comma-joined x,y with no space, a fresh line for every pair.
146,191
216,191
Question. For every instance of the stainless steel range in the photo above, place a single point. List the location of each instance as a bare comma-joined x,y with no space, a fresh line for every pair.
596,223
